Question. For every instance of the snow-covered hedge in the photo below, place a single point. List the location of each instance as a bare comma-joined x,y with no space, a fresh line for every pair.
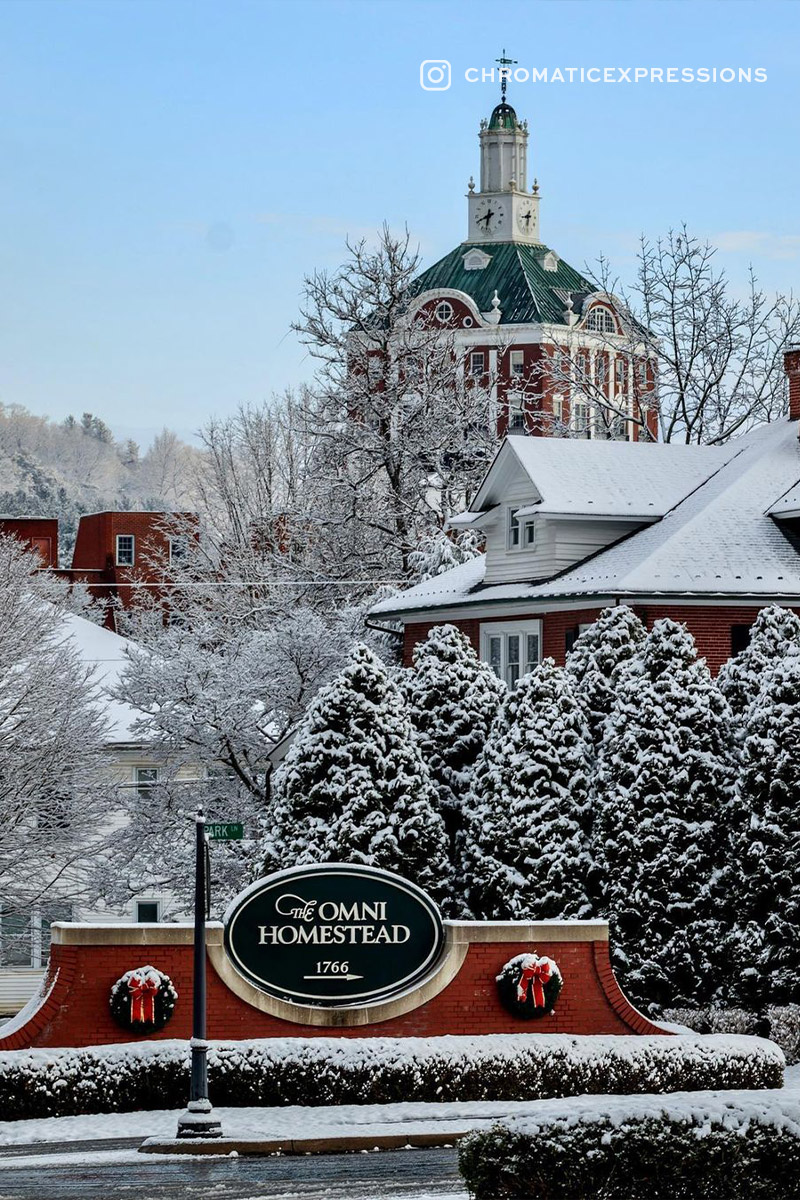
40,1083
778,1022
716,1146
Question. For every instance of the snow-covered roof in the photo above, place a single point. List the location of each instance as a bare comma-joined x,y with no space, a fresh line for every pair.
787,505
105,653
605,478
718,540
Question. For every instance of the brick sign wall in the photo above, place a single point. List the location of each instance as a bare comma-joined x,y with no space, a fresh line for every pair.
459,997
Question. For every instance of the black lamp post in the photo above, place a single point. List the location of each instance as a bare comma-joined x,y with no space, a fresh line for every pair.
198,1119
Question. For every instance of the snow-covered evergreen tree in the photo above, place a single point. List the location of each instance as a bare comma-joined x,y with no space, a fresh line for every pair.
610,642
775,633
526,852
354,786
765,872
437,553
453,700
663,784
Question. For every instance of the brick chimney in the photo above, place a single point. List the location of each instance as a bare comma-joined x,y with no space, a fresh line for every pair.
791,365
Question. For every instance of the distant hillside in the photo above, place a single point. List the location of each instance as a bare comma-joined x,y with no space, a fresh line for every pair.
73,467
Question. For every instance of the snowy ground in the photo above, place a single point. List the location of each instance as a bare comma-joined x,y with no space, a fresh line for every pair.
81,1158
289,1122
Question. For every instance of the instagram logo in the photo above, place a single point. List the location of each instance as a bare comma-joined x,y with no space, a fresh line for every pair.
434,75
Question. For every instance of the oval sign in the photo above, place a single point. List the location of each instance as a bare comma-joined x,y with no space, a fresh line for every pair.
333,934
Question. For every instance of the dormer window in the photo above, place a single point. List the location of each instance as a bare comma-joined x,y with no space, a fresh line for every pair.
520,533
476,260
600,320
444,312
514,530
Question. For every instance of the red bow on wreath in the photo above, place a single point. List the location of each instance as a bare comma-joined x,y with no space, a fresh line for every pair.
537,974
143,989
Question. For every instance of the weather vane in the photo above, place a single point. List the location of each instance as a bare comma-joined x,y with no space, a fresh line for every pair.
504,62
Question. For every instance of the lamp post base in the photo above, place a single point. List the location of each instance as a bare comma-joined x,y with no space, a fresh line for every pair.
198,1121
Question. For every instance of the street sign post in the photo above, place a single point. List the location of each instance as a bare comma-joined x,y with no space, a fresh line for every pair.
198,1119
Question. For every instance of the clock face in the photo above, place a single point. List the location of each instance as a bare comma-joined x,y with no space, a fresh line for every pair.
489,215
525,219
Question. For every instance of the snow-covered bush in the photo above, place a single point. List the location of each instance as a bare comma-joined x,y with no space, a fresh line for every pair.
765,857
662,806
526,852
354,786
453,699
718,1147
778,1022
609,643
312,1071
775,633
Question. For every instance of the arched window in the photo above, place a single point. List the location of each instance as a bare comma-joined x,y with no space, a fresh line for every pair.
444,312
600,320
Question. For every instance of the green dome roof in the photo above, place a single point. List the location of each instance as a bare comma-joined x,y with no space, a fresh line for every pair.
503,117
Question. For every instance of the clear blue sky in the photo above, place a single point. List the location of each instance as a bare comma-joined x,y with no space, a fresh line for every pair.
171,170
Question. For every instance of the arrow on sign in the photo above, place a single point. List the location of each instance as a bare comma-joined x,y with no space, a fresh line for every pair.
333,977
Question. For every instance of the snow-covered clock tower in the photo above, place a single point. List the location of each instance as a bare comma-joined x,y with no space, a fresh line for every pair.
548,346
504,210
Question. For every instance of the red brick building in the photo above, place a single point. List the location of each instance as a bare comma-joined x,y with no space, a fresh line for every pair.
36,533
115,553
706,535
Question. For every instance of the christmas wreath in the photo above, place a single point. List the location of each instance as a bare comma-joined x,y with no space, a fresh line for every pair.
529,986
143,999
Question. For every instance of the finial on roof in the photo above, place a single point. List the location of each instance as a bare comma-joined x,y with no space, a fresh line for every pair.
471,184
493,316
535,188
504,62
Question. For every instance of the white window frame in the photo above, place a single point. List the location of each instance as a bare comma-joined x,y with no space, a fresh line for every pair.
585,427
516,364
516,413
520,535
473,369
513,530
143,786
498,638
127,537
147,900
600,320
177,548
444,312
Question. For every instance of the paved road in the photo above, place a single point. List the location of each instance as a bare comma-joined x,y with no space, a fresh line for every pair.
114,1171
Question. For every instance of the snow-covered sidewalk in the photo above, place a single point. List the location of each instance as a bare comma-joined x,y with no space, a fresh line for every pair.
359,1120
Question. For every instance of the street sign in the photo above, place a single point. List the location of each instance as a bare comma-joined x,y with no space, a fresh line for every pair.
334,934
225,831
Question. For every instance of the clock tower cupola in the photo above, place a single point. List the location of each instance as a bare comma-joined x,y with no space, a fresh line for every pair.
504,210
